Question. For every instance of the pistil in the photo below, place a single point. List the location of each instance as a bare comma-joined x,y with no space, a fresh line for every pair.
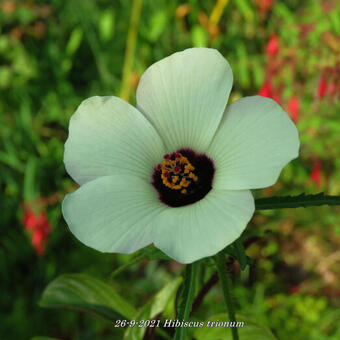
177,168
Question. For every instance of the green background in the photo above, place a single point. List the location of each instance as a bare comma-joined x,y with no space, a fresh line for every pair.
54,54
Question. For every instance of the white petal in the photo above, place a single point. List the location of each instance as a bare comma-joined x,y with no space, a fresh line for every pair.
113,213
107,136
184,97
202,229
254,141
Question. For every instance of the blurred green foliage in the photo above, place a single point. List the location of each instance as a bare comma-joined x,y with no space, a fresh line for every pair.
54,54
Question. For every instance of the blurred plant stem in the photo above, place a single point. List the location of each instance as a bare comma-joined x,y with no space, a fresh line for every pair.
226,287
130,48
217,11
187,299
302,200
203,292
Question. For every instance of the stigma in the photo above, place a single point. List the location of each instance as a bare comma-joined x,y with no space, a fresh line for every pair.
177,173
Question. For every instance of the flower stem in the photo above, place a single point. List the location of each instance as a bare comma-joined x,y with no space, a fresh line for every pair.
130,48
301,200
187,299
203,292
217,11
226,287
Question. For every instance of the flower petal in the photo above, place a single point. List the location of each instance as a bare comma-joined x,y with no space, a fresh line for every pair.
254,141
113,213
204,228
106,136
184,96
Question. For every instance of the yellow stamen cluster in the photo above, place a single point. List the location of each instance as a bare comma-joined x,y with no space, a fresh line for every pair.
177,173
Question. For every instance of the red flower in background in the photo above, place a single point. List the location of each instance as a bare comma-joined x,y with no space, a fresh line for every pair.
294,289
331,88
267,91
293,108
39,228
272,46
38,241
29,220
264,5
316,174
322,87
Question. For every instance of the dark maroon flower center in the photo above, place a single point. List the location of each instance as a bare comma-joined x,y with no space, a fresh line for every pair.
184,177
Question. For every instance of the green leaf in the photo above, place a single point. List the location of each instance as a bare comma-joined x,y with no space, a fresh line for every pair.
11,160
187,299
283,12
106,25
152,309
301,200
74,42
240,254
258,71
246,9
29,179
158,24
243,65
335,20
152,253
43,338
250,331
236,252
5,77
199,36
135,259
86,294
149,252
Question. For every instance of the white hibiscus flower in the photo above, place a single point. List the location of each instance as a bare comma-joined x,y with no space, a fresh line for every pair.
175,171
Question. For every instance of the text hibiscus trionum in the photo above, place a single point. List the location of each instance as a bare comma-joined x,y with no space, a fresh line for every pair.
177,170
